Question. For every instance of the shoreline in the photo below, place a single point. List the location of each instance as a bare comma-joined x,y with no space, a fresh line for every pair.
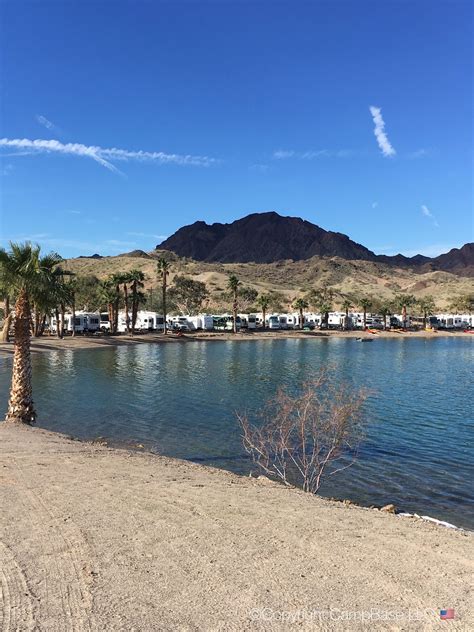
52,343
122,539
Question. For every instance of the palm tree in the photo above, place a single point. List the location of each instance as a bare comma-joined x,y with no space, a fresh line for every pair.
346,306
233,285
7,317
163,269
323,299
427,307
386,309
22,273
107,293
263,301
404,301
301,304
136,277
365,303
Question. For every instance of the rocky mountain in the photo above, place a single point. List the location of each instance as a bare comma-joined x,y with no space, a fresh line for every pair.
269,237
261,238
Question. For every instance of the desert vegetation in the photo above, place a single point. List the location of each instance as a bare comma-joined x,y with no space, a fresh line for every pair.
301,438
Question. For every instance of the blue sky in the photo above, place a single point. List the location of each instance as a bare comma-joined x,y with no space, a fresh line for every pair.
122,121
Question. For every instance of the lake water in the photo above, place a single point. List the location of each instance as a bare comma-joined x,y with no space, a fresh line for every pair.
180,400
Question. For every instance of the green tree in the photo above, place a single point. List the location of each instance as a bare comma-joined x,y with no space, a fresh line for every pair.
404,302
365,303
462,304
385,309
264,301
136,278
233,285
346,306
322,299
301,304
427,307
26,276
163,269
188,295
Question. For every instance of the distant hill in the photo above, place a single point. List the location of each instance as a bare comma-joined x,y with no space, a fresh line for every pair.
270,237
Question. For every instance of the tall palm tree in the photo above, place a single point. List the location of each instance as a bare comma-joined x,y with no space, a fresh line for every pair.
163,269
301,304
263,301
23,274
365,303
137,278
404,302
386,309
346,306
233,285
427,307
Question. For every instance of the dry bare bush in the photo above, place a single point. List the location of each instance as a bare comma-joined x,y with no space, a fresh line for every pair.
305,437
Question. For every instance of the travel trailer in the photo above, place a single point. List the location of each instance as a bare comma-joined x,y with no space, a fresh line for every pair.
274,322
450,321
252,321
203,321
104,321
83,322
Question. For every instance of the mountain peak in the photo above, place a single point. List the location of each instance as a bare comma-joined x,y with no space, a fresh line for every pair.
261,238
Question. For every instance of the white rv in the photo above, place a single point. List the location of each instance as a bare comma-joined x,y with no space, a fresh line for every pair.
252,321
274,322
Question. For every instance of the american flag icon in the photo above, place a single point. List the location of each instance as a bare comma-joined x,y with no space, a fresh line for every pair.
446,614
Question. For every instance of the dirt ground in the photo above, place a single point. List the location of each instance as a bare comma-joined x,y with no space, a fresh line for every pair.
99,539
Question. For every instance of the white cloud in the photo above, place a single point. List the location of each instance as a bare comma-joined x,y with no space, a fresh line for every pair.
102,155
147,235
379,132
375,204
42,120
427,213
74,212
7,169
311,154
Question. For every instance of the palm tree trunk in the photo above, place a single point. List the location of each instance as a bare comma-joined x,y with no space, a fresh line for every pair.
301,319
5,335
56,314
127,316
264,313
234,311
365,319
20,405
63,309
404,316
116,308
37,323
164,302
73,310
134,306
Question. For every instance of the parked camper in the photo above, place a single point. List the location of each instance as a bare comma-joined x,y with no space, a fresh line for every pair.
274,322
104,322
252,321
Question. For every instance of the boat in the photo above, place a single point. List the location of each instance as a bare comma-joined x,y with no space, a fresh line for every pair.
364,339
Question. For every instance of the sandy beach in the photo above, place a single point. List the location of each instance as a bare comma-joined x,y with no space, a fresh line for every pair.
49,343
94,538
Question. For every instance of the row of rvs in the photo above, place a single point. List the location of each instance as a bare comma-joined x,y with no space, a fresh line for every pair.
152,321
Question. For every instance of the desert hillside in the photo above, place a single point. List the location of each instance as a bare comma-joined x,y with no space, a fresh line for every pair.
291,278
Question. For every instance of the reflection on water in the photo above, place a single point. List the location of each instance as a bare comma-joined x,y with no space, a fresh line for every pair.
180,400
